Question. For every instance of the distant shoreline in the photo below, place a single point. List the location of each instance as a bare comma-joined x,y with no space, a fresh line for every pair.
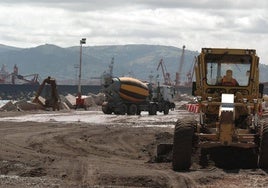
15,92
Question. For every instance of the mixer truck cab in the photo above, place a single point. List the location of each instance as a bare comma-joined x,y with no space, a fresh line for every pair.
126,95
165,92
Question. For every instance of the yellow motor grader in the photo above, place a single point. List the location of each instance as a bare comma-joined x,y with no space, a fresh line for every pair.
229,98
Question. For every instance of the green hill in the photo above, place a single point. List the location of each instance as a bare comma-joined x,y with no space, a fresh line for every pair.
139,61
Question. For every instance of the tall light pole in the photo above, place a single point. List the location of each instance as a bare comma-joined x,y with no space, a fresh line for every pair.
82,41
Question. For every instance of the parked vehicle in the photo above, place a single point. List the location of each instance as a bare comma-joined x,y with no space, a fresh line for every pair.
126,95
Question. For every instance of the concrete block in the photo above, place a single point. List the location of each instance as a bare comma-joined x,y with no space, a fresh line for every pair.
23,105
9,106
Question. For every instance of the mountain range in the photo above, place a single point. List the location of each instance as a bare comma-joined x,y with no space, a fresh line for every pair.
140,61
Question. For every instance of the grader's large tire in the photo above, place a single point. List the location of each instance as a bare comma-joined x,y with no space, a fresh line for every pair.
263,158
182,144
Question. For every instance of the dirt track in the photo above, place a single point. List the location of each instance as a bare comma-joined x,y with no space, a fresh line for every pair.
103,151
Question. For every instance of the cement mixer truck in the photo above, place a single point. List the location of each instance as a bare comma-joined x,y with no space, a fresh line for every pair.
126,95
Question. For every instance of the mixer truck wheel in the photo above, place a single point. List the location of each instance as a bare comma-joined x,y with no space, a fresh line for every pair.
132,110
182,145
138,112
152,109
123,109
263,159
166,109
105,108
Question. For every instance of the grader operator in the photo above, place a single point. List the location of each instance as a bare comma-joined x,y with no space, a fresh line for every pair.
229,109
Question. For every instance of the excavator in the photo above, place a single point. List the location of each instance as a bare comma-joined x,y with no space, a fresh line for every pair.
53,99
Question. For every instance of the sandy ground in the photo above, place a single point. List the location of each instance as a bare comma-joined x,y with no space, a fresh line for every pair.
90,149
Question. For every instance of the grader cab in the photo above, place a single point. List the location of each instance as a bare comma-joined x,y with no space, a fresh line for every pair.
229,97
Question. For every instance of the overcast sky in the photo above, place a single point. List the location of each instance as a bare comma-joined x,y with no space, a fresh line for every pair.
196,24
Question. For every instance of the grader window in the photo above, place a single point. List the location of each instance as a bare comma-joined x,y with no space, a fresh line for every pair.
228,70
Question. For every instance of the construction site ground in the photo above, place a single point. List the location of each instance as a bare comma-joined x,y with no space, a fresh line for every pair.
89,149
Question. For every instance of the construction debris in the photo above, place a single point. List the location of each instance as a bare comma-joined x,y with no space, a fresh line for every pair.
98,99
69,100
23,105
8,106
65,103
92,100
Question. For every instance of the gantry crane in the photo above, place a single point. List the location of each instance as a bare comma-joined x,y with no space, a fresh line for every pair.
166,75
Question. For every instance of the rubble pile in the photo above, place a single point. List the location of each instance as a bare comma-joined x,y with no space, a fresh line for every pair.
65,103
91,100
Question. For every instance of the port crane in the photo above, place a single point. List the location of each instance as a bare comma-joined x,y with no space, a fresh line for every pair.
111,67
179,73
16,78
190,74
166,75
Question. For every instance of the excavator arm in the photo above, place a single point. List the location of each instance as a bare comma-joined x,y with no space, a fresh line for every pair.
54,98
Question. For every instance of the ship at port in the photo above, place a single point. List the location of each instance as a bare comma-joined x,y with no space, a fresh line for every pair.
14,86
16,79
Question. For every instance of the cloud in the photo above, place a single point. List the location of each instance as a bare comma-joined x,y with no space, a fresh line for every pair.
203,23
108,4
